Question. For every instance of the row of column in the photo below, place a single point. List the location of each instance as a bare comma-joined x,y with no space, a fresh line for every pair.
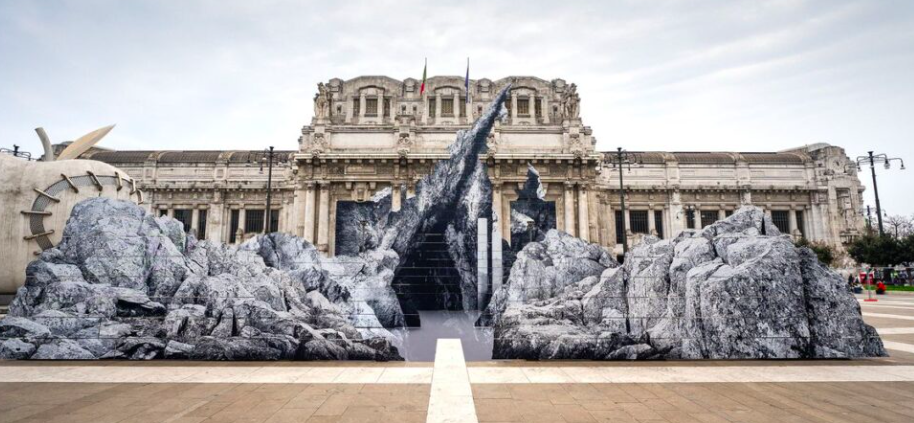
312,213
532,100
575,209
438,109
583,214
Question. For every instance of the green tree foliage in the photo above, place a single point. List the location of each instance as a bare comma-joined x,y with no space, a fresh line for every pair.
883,250
824,252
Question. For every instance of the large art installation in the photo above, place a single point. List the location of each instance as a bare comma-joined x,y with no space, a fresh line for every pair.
123,283
36,197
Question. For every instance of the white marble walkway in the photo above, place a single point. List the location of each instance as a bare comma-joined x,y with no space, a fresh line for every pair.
887,316
705,374
451,399
450,375
140,373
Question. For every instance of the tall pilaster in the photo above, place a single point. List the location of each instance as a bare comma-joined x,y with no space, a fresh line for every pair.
396,196
457,106
298,211
240,229
215,218
498,223
195,221
546,113
651,222
569,208
793,220
308,229
583,218
323,218
437,107
676,214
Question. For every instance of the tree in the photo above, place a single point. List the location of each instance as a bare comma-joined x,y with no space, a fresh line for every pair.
877,250
907,249
899,226
824,252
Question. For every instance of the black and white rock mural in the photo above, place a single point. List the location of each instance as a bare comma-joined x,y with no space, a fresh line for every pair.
123,283
126,284
435,232
531,215
734,290
357,223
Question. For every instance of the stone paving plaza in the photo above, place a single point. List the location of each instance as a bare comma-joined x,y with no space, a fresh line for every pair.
452,390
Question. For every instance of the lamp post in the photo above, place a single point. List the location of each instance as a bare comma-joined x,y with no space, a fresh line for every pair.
869,220
268,213
617,161
15,152
873,159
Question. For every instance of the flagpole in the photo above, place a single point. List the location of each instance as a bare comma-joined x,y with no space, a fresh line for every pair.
468,80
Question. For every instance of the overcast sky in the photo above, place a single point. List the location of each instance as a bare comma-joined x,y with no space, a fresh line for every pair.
654,75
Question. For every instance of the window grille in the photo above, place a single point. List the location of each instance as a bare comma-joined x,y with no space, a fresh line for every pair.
620,222
781,219
708,217
638,220
253,221
183,216
371,106
447,107
523,107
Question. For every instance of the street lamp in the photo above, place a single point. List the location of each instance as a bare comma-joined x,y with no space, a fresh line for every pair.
873,159
267,214
620,159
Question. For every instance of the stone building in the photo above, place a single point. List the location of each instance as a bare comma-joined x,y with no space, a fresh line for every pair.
375,132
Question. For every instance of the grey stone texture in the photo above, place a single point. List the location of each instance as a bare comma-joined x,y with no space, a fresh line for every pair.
125,284
737,289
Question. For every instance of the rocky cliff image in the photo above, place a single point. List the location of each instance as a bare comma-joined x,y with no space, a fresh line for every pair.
737,289
126,284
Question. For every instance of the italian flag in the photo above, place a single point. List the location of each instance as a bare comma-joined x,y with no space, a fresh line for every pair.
422,87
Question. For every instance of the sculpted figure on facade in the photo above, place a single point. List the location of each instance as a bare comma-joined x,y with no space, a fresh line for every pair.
322,102
576,145
403,144
491,144
571,102
319,144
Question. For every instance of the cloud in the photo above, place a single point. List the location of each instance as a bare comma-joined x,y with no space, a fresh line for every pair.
670,75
